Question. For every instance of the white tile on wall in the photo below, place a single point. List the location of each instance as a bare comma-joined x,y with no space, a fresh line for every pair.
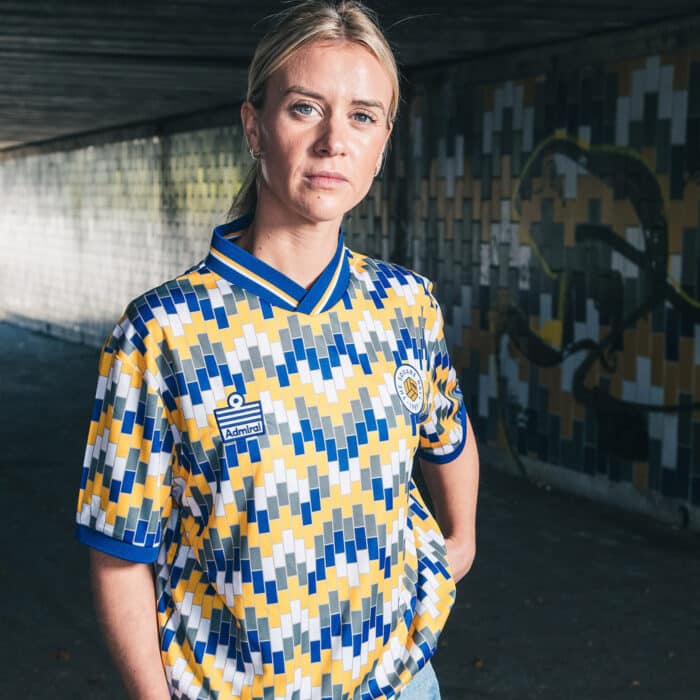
622,118
665,92
669,447
679,117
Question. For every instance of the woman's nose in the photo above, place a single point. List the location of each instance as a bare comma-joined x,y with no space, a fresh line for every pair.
332,140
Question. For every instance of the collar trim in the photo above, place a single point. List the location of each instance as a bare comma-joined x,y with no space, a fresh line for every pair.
238,266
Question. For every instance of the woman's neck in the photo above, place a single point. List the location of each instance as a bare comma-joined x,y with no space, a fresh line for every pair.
300,252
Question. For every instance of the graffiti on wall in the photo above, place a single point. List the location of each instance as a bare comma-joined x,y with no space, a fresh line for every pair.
587,283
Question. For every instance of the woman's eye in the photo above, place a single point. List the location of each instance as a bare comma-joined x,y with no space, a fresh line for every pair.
303,108
364,118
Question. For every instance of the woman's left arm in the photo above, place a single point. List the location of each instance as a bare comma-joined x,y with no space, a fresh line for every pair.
453,488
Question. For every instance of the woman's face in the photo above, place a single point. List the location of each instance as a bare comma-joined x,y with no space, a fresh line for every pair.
321,131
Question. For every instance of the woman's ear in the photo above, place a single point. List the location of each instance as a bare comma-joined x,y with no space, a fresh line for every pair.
251,128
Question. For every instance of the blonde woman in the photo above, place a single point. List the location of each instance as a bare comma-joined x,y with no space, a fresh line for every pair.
247,488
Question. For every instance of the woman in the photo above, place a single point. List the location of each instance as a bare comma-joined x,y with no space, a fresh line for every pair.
256,420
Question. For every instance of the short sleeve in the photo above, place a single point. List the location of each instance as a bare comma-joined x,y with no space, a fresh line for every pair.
443,433
125,484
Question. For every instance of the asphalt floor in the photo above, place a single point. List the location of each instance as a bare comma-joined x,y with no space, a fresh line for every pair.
567,599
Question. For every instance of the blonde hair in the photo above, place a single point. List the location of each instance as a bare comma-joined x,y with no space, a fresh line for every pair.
304,22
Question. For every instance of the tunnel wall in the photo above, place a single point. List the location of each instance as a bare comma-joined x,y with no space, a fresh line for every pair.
84,229
554,199
560,213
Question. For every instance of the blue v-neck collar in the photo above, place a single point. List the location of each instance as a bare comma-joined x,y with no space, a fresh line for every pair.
231,262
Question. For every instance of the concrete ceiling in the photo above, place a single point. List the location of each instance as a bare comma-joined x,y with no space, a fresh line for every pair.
75,66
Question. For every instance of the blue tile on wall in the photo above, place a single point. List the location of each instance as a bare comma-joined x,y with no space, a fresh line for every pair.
589,460
668,482
651,114
695,496
658,319
677,185
672,333
685,419
692,145
694,89
636,135
663,146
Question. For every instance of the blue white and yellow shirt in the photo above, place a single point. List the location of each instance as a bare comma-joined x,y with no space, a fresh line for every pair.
254,440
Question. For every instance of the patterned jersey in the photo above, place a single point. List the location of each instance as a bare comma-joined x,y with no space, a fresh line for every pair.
254,440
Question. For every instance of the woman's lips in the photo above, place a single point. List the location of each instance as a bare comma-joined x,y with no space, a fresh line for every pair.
326,179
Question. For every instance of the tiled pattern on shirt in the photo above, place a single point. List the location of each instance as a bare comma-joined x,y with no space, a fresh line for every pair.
299,563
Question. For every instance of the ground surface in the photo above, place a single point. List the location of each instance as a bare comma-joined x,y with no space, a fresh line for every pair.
566,601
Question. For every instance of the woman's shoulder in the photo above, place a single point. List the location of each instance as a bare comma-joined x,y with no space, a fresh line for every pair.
147,315
386,273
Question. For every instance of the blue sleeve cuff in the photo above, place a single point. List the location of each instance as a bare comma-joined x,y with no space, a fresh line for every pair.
116,548
429,456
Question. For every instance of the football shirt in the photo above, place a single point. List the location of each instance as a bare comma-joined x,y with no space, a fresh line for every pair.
254,440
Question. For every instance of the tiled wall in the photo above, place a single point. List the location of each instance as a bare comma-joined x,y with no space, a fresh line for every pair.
560,215
83,231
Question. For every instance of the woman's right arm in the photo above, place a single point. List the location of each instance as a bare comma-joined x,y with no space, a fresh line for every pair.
126,605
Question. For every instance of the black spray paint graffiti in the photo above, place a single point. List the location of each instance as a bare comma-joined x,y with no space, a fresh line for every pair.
622,425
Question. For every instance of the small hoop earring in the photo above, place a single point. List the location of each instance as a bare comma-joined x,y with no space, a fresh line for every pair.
255,155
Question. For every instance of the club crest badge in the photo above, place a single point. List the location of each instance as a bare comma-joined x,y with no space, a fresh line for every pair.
240,419
409,387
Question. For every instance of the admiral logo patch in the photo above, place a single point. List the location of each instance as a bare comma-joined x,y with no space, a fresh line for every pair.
409,387
240,419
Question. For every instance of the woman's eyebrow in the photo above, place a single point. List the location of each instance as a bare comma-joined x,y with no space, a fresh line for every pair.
317,96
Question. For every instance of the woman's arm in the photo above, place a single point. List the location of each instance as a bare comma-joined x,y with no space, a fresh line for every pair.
453,488
126,605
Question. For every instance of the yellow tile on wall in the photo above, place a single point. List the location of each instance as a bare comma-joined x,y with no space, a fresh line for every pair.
529,86
441,185
506,177
432,189
629,357
449,220
476,200
681,69
566,416
643,340
640,475
686,363
459,199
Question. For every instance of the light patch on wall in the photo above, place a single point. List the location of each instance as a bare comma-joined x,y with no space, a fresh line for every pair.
592,321
487,133
622,121
679,117
669,448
